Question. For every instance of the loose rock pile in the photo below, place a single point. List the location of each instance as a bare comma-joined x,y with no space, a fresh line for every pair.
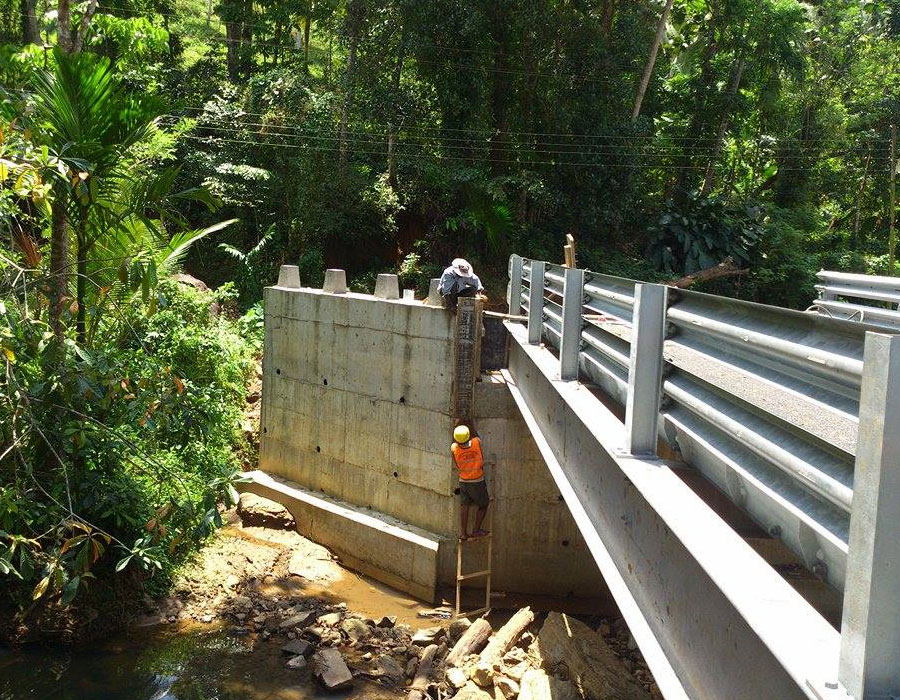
234,580
564,660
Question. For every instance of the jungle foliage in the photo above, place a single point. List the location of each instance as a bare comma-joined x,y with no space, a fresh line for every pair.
233,136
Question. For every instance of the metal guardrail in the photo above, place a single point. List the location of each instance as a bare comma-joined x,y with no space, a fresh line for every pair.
764,401
847,285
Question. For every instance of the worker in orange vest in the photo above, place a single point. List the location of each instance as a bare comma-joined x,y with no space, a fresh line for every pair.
469,460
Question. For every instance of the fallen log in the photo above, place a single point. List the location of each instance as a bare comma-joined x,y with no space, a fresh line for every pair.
501,642
726,268
471,642
419,685
568,648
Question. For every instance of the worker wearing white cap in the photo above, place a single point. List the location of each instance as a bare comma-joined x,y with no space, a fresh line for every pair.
459,280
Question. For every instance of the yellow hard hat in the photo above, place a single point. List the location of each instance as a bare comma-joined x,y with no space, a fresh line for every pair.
461,433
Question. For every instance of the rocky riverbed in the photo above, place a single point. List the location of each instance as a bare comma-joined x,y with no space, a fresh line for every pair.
261,581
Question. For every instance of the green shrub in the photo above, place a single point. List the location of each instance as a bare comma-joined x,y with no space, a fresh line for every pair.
123,451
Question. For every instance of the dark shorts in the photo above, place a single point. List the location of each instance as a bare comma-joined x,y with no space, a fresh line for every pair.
474,493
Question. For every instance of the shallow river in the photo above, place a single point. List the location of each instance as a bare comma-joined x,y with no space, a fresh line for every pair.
161,664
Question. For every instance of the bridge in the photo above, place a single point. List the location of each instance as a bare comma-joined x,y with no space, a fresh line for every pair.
626,391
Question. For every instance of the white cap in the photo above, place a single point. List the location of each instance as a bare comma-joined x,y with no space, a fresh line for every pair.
462,267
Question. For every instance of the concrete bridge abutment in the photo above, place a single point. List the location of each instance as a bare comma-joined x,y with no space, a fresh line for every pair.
357,415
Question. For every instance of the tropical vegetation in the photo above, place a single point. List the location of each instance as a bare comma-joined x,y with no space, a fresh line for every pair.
139,139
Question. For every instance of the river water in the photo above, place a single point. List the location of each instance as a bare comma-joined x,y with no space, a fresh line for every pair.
163,664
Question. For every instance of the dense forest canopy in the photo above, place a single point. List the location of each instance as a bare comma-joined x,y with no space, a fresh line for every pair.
227,137
368,135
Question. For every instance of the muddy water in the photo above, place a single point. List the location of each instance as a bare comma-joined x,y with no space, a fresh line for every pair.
197,662
160,664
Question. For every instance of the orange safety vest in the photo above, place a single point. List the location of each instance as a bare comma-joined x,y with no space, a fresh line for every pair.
469,459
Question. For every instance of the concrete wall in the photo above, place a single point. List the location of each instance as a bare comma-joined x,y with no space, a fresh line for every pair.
356,404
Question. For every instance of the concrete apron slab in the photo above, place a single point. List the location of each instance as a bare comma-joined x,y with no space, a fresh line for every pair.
390,551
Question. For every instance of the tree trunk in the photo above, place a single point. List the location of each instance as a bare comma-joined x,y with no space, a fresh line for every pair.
232,47
247,39
81,285
78,37
354,16
472,641
398,70
59,262
723,125
854,239
651,60
30,32
417,691
609,16
64,25
501,81
500,644
306,29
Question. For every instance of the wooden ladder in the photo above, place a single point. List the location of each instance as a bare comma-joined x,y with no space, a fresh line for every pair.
483,573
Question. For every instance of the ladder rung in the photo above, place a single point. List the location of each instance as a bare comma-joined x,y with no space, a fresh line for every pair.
472,613
471,540
475,574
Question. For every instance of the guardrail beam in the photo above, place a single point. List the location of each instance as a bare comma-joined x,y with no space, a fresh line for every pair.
645,369
870,628
536,301
570,343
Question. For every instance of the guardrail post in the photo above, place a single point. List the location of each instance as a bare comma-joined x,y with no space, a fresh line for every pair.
536,302
645,368
570,344
515,285
870,628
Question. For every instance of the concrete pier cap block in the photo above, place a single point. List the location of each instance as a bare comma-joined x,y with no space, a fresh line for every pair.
335,282
434,295
289,277
387,286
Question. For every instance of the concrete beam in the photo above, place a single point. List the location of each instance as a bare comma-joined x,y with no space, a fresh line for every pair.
402,556
711,617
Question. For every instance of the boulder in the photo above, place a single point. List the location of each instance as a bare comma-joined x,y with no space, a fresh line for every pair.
537,685
567,647
470,691
298,662
355,629
428,635
329,619
507,686
329,668
457,629
387,621
256,511
297,647
456,677
297,620
389,668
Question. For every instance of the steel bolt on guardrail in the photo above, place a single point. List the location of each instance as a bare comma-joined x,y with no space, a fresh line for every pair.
766,402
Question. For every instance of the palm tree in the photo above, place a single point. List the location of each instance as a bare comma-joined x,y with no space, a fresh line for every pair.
112,203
